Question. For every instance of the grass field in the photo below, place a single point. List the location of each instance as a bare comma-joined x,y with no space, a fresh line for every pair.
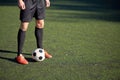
82,35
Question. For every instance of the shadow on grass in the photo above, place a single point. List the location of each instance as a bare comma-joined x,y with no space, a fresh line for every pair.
106,10
12,52
9,59
86,5
13,59
7,51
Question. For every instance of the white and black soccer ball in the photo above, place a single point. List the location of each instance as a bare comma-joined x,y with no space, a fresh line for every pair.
38,54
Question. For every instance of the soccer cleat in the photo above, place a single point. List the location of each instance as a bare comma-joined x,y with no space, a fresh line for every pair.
20,59
47,55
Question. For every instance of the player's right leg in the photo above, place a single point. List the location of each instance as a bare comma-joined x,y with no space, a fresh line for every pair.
26,16
20,40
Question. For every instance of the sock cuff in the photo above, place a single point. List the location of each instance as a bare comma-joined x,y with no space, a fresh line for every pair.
38,28
21,30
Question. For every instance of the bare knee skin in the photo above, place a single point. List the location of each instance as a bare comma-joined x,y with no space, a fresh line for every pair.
24,26
39,23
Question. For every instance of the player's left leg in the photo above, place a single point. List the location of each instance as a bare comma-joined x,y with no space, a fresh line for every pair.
39,33
39,36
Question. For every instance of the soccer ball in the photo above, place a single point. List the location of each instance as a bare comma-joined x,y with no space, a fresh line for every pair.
38,54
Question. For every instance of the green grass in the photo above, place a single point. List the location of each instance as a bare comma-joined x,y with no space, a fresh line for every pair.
84,42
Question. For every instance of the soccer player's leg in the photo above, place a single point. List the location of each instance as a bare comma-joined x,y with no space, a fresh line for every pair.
39,32
39,36
26,16
20,40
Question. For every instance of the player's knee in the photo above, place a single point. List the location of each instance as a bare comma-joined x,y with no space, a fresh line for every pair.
24,26
40,24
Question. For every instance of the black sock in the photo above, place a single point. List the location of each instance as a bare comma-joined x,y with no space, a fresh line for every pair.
20,40
39,37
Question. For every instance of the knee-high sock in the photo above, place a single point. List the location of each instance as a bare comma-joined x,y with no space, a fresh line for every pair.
39,37
20,40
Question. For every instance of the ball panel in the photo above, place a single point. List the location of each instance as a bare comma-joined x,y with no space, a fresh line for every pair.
40,51
40,57
34,54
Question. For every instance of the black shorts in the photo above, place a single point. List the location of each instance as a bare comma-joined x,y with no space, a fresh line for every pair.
34,8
